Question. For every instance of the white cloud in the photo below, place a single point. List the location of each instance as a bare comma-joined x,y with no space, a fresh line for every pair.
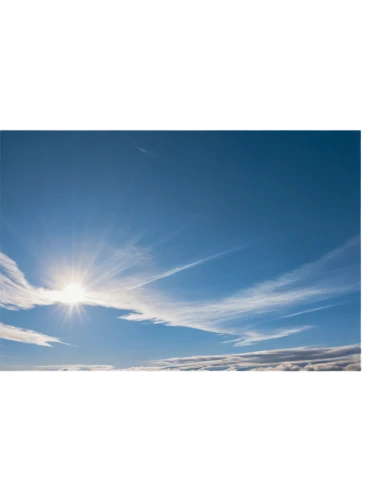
299,359
341,358
327,278
16,292
75,368
249,338
8,332
257,359
128,281
309,311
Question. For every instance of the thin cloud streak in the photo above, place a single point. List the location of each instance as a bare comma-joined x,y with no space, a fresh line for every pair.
250,338
16,334
181,268
311,310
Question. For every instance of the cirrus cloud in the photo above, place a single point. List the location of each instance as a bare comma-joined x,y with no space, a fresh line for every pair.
17,334
127,281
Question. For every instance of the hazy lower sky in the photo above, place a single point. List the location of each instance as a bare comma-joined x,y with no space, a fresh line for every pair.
180,250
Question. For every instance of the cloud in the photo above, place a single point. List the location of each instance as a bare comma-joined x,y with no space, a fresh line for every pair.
123,270
249,338
299,359
16,292
68,368
331,276
310,310
341,358
257,359
177,270
8,332
127,280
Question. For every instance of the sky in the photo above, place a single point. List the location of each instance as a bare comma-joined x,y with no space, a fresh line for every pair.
180,251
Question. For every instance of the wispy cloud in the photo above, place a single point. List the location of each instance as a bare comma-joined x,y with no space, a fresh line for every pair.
128,281
343,358
8,332
252,337
15,291
331,276
314,309
178,270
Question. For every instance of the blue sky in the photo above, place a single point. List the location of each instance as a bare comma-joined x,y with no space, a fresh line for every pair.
185,245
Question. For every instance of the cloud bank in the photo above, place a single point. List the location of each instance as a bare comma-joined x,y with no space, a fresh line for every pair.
342,358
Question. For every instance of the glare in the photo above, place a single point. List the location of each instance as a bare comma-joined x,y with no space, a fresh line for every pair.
73,294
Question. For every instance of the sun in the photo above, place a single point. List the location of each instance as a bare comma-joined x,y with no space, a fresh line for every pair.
73,294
